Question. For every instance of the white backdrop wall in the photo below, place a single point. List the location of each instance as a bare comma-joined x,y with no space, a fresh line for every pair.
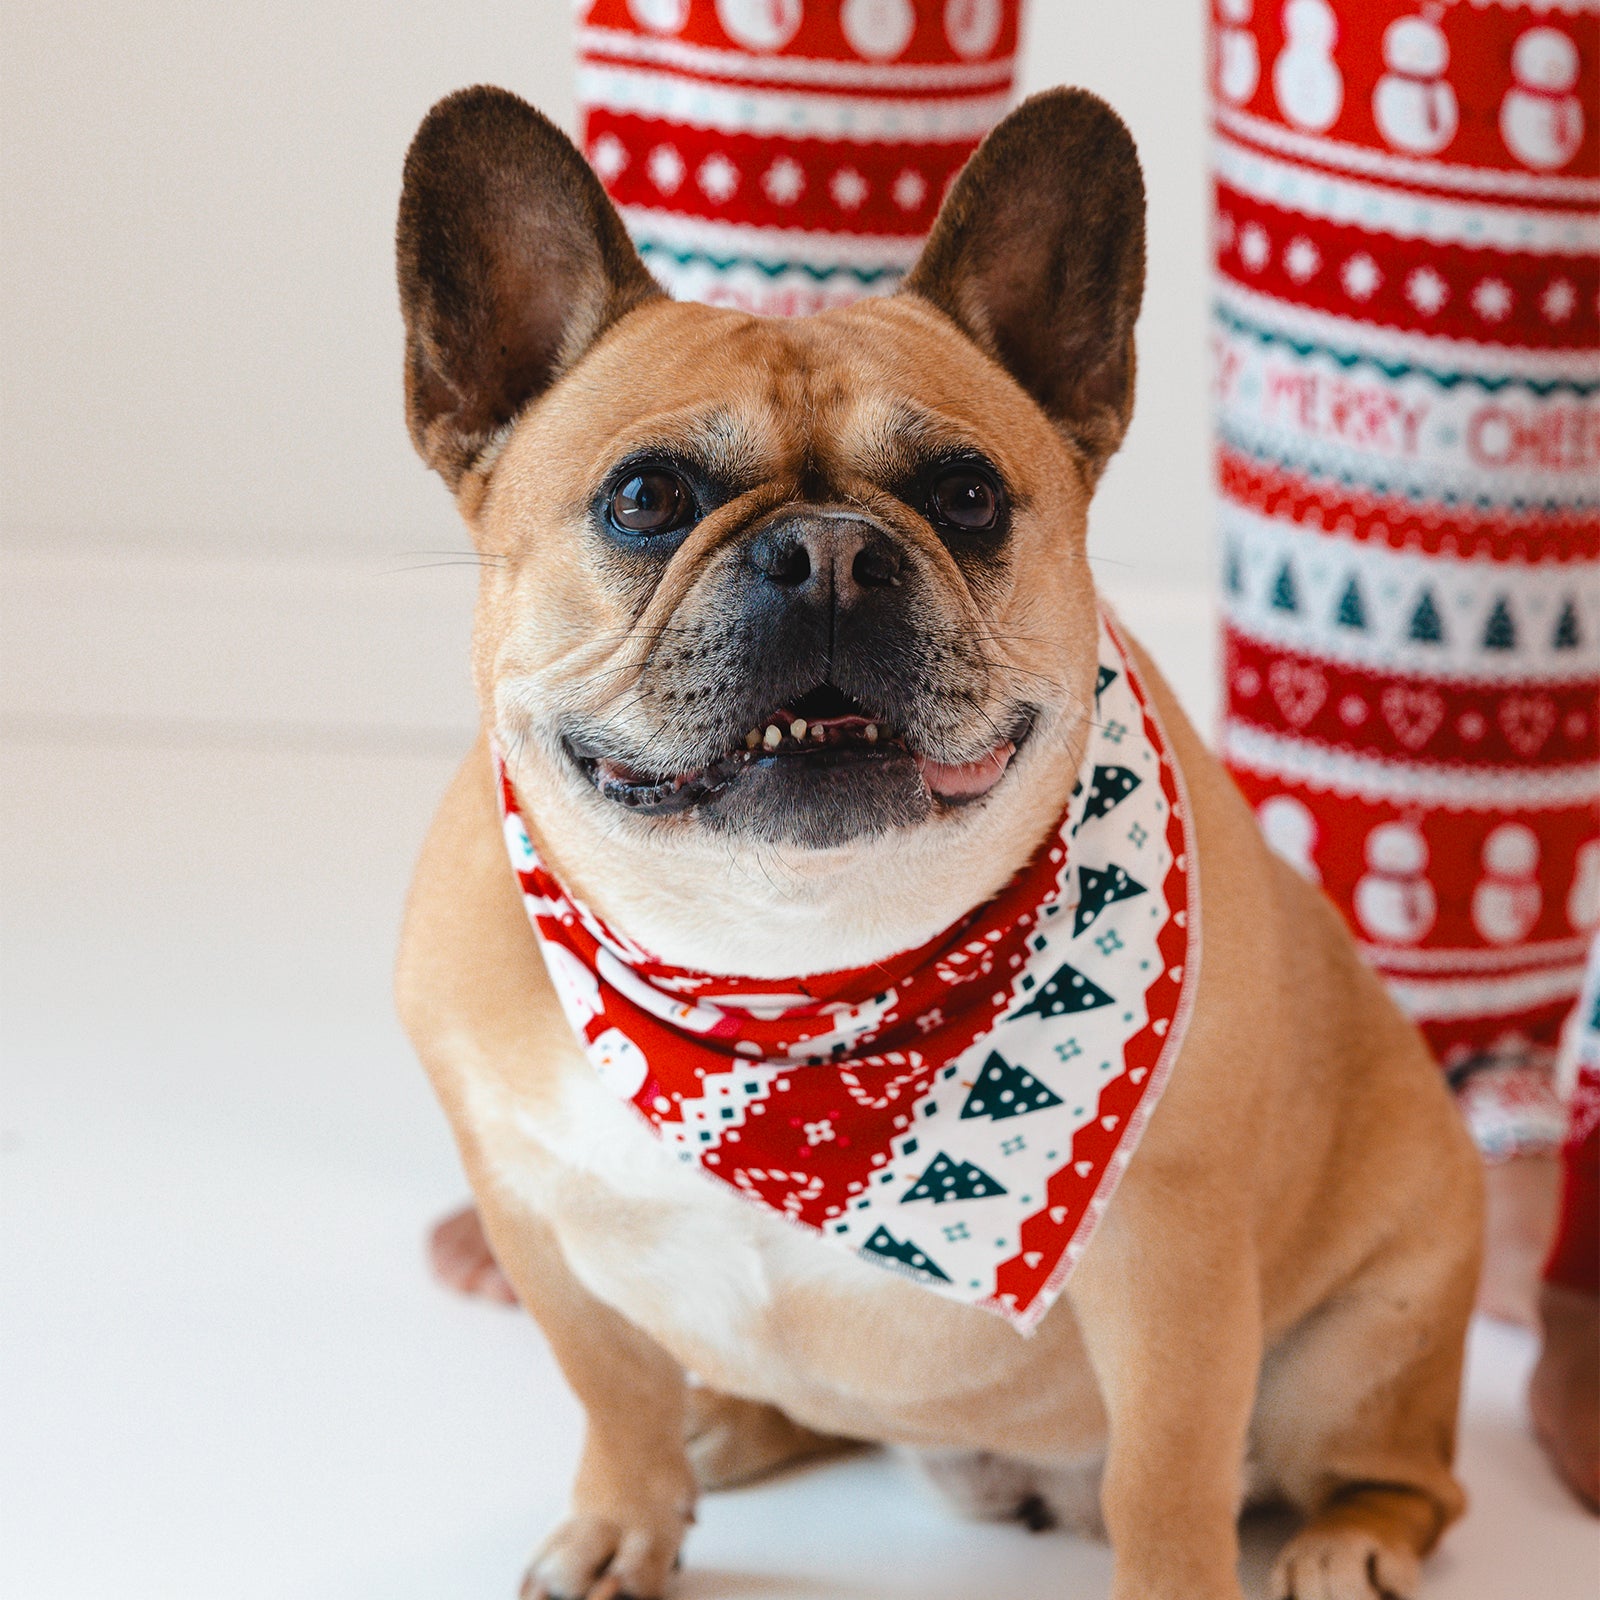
200,344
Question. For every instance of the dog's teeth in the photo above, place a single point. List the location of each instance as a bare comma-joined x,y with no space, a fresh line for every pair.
819,733
872,733
798,727
772,738
752,739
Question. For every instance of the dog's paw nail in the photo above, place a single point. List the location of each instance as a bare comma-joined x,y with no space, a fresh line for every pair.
1035,1515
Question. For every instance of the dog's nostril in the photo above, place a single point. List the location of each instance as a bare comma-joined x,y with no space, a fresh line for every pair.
876,566
783,561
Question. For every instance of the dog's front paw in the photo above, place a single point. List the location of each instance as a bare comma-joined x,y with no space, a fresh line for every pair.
591,1557
1343,1564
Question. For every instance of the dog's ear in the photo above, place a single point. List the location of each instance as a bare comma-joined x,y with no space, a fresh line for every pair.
1038,255
512,262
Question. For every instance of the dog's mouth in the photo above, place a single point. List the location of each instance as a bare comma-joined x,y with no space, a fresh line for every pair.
818,731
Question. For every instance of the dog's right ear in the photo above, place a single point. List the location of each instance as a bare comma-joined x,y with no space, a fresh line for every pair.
512,263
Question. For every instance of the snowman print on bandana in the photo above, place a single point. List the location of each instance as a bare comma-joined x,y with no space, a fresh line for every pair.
1413,104
1306,83
1541,118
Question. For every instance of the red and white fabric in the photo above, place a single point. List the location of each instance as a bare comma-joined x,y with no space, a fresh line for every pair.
960,1113
1407,345
784,156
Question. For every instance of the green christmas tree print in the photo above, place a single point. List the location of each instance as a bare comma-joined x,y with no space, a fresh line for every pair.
1285,597
1097,890
1005,1090
1109,787
1233,572
1567,635
1067,992
1352,613
883,1243
952,1180
1104,677
1426,626
1500,633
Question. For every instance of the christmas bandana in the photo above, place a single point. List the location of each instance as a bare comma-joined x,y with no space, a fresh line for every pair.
960,1113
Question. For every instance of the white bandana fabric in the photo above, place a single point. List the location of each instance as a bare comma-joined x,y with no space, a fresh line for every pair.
962,1113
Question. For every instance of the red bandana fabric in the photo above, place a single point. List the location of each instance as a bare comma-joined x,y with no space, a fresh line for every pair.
1408,369
783,156
960,1113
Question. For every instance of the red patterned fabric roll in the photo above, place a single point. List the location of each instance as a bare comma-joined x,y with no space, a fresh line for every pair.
784,156
1408,387
1574,1261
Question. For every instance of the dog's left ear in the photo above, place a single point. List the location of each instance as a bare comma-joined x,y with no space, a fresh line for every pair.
1038,255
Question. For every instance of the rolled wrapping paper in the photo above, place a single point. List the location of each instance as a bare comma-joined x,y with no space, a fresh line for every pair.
1408,449
1574,1261
784,156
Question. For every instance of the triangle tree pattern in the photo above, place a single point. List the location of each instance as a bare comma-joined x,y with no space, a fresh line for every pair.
1067,992
1104,677
1500,633
1352,612
952,1180
883,1243
1005,1090
1567,636
1426,626
1097,890
1109,787
1285,597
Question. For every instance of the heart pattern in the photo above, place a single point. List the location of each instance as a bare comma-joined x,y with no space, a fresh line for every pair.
1526,721
1413,713
1299,689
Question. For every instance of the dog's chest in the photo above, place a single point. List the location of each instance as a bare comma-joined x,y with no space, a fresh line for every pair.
677,1253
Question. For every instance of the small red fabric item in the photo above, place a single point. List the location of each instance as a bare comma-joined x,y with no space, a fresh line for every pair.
784,156
1408,374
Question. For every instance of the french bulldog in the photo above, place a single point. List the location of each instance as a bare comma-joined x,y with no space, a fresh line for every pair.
786,646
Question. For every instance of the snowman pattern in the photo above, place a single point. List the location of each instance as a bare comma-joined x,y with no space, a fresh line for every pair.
1541,119
878,29
1291,831
1306,83
760,24
972,27
1413,104
1394,900
660,16
1507,900
1583,899
1238,63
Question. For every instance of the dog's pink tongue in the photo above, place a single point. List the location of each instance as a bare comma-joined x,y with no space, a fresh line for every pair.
970,780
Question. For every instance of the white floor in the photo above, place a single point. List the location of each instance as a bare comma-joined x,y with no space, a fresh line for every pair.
224,1373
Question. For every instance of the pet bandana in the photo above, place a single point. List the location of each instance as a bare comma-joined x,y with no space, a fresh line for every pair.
960,1113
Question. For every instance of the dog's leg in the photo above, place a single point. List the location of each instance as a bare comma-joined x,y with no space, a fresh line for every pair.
633,1497
1174,1338
1356,1426
481,1013
733,1441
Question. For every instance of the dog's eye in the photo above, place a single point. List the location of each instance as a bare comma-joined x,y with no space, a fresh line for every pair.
965,499
651,502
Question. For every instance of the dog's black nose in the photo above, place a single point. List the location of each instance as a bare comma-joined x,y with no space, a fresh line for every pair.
826,557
